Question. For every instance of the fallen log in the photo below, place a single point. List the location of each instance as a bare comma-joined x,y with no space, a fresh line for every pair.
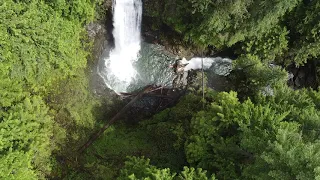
96,135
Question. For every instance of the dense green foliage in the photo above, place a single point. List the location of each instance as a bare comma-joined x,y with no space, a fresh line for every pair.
269,137
25,140
72,107
250,75
41,43
305,27
258,128
139,168
266,137
282,31
262,140
221,23
270,46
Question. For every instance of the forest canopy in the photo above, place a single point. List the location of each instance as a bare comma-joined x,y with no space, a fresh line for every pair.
259,127
41,44
282,31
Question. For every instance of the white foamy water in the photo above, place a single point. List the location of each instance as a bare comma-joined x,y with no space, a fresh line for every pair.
119,71
196,62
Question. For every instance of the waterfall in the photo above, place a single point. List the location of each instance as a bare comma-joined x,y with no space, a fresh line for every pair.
118,70
133,64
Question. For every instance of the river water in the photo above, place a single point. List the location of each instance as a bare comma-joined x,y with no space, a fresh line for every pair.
151,67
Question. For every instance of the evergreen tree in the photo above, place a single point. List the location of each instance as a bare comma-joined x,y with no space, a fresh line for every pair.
221,23
269,47
140,168
272,137
40,44
25,134
305,27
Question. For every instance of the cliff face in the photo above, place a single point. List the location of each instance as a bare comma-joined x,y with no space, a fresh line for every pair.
171,13
164,22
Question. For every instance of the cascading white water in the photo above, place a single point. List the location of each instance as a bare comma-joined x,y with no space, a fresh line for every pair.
196,63
119,71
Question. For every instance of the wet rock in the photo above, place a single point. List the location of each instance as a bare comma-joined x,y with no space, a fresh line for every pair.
310,81
181,80
294,71
94,29
221,66
301,74
290,76
302,81
267,91
297,82
184,79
